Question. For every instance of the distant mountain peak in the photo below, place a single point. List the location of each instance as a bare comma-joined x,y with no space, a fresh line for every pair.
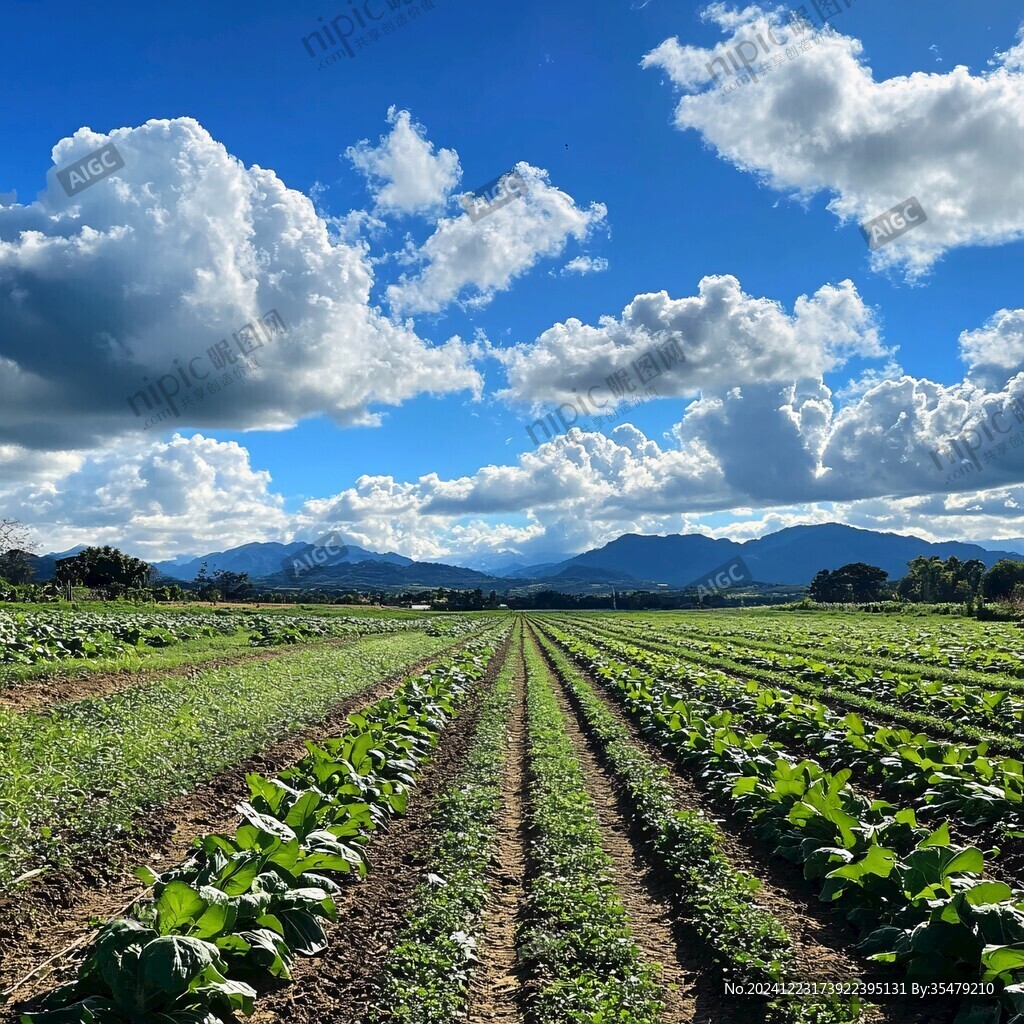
791,556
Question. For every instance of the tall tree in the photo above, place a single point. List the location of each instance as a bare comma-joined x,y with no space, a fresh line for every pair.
205,585
16,566
14,536
820,589
104,568
234,586
857,581
930,580
1002,578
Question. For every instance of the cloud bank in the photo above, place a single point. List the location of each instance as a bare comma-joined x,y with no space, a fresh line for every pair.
100,294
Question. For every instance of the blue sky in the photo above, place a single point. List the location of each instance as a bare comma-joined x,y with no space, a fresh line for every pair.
562,90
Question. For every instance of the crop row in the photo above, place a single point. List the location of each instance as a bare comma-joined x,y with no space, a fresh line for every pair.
838,651
76,776
26,638
246,904
866,700
426,976
42,636
935,777
953,643
746,941
575,939
988,708
998,710
918,900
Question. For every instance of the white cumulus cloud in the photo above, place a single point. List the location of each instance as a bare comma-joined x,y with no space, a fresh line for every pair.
486,255
130,284
725,337
822,122
404,173
154,499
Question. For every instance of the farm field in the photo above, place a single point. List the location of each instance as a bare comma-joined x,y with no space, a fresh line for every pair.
535,818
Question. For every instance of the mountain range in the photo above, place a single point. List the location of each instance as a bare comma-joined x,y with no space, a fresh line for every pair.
1014,545
792,556
261,560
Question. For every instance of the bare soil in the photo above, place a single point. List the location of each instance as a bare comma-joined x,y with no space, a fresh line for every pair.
496,986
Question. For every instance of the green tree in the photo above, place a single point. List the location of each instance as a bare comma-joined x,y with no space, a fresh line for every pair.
205,584
820,589
104,568
974,575
922,581
234,586
1002,578
930,580
857,581
16,566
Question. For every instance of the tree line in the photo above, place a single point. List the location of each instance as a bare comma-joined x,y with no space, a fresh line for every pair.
928,581
110,573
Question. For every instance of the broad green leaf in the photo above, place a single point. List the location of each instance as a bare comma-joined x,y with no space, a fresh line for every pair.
239,996
940,837
146,875
262,787
264,822
970,860
179,904
1003,958
854,723
357,754
877,861
303,932
988,892
263,948
216,920
237,877
301,817
172,962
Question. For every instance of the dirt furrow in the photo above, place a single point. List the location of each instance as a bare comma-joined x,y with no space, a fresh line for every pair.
690,987
56,909
822,945
340,984
496,985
